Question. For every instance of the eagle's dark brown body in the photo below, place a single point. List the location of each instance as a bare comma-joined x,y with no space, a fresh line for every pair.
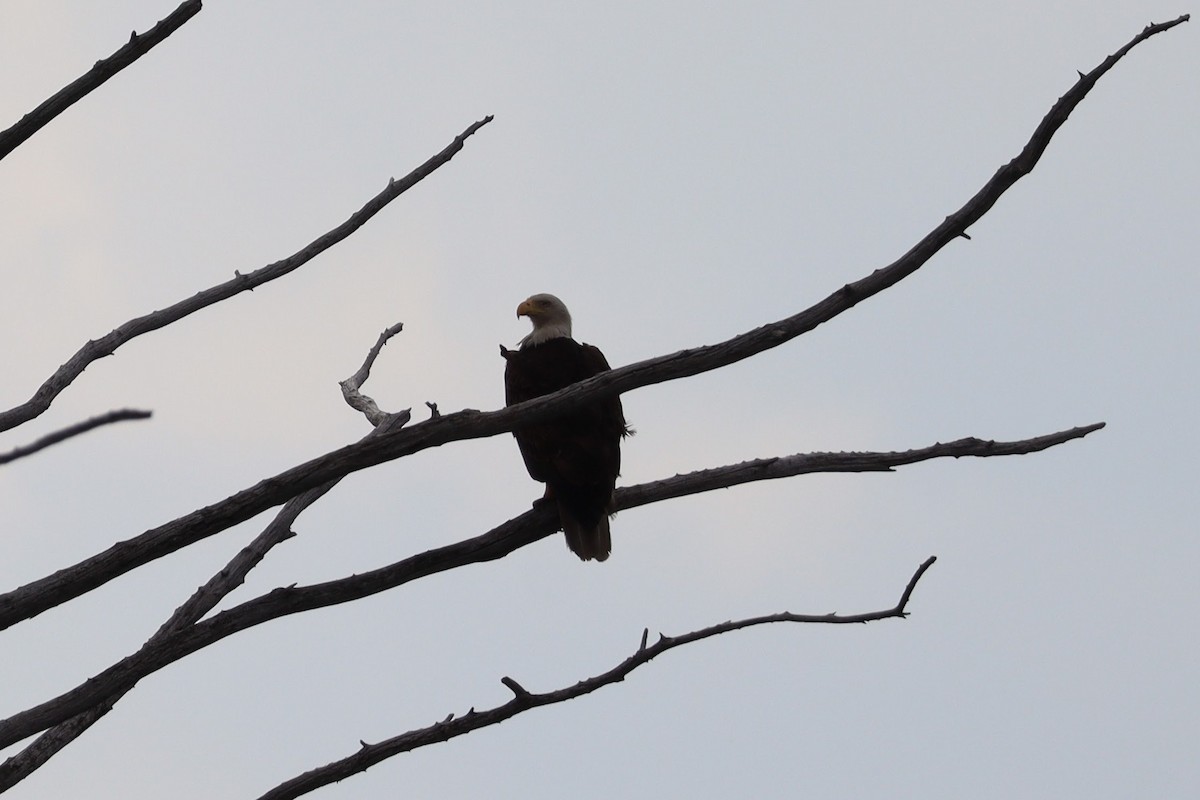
577,455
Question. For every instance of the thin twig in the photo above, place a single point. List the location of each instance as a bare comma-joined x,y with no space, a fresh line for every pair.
533,525
131,51
369,755
73,430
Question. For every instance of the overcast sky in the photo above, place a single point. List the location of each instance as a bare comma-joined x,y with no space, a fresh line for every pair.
677,173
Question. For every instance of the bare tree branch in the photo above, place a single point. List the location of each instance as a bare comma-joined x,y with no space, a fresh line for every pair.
523,700
32,757
66,717
540,522
706,480
440,429
108,418
135,48
350,386
185,633
533,525
21,765
107,344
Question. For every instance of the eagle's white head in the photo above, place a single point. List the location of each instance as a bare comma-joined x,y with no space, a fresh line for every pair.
549,316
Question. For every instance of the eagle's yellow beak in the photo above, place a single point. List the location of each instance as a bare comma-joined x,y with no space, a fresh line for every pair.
525,309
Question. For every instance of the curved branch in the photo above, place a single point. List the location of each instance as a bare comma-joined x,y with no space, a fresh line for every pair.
108,418
350,387
523,700
535,524
73,581
107,344
105,68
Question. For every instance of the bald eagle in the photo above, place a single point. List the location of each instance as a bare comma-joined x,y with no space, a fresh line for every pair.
577,455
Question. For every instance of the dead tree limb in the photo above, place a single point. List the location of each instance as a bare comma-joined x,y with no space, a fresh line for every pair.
350,387
185,633
533,525
92,572
523,700
107,344
21,765
49,439
105,68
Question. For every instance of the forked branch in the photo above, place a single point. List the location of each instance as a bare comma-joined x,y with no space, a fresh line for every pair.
523,700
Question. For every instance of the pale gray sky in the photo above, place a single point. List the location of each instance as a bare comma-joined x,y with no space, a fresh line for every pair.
677,173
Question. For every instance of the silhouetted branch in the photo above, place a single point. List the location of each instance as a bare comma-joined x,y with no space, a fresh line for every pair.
523,700
42,749
440,429
64,718
187,632
107,344
21,765
533,525
135,48
73,430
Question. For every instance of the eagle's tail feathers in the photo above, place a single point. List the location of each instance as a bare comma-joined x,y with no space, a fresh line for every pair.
586,541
